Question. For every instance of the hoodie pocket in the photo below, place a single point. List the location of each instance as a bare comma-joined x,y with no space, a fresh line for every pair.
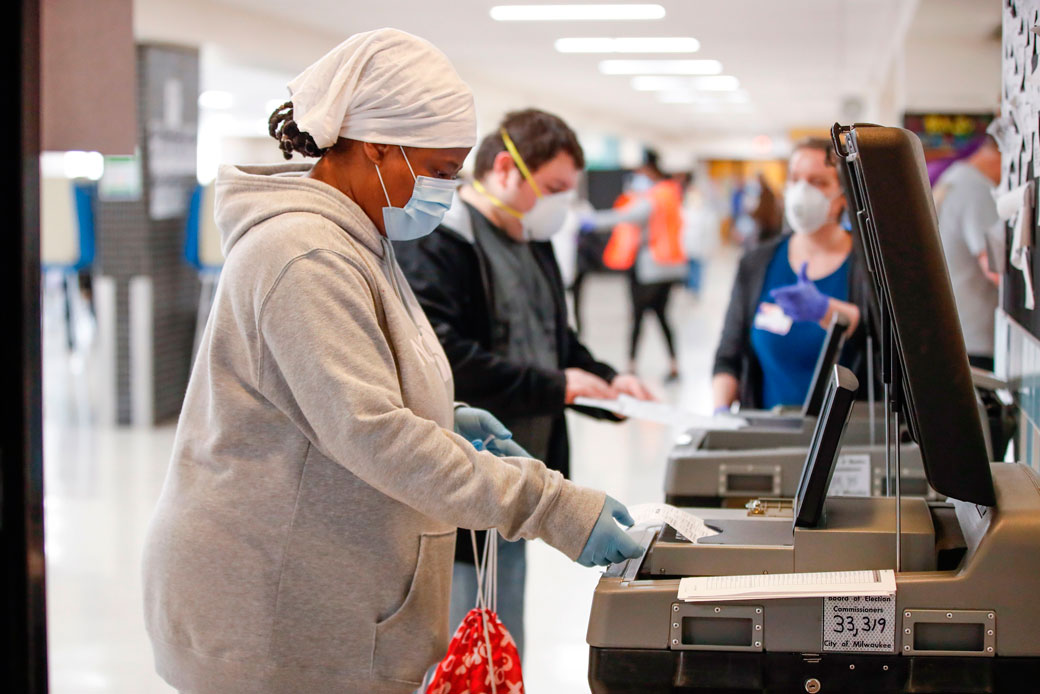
416,635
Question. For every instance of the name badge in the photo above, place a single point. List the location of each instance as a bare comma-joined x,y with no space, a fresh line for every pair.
772,318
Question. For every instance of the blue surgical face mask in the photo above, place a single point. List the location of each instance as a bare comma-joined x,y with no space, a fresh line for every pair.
431,198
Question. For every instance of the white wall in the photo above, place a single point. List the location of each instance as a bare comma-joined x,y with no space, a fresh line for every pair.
952,75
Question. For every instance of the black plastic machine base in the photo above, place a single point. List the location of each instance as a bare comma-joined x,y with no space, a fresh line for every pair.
629,671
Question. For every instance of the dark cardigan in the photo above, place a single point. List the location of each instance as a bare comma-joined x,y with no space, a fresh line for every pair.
735,355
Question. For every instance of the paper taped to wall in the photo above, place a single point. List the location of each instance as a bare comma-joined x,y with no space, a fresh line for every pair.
1017,206
662,413
685,523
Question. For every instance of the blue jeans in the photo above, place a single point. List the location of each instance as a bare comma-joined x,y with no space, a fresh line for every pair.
512,575
693,275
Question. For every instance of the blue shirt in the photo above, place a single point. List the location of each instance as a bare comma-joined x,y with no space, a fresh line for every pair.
788,361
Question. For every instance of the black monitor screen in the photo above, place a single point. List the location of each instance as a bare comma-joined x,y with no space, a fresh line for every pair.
893,206
824,448
825,365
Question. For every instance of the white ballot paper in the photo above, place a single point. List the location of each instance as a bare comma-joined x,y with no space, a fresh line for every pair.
770,586
662,413
688,525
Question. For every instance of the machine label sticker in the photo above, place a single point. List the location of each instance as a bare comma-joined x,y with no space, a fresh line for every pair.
851,476
859,624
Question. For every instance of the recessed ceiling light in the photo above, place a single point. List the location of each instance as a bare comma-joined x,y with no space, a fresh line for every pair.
662,44
660,67
216,100
564,13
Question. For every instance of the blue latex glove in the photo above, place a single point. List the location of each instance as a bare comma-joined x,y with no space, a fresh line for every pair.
802,301
486,432
608,543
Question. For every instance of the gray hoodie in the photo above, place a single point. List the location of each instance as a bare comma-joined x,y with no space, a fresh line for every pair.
304,538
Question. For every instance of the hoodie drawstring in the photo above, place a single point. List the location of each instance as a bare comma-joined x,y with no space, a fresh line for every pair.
395,281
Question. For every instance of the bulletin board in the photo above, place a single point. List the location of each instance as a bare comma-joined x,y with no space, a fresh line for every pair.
1020,147
944,134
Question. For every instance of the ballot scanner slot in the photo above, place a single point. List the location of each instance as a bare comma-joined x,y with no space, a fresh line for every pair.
646,534
698,627
781,423
750,479
950,632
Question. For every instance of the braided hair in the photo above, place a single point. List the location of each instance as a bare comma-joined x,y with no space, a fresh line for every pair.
283,128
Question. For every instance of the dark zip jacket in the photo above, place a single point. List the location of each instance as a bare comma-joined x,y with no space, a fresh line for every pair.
450,276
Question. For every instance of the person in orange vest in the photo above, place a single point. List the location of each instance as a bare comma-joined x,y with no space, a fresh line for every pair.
646,242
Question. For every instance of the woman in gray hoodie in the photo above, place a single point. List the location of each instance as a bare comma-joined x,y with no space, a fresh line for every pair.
304,538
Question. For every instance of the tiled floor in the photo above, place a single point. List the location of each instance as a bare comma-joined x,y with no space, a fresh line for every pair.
101,485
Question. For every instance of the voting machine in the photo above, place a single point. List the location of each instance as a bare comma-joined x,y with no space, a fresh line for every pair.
961,615
708,467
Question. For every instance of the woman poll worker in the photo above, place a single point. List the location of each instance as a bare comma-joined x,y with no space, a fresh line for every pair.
787,290
304,538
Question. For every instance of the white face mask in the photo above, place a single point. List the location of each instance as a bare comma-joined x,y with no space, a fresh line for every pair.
547,216
806,207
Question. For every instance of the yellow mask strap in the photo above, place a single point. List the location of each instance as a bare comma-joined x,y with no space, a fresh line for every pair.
515,154
479,187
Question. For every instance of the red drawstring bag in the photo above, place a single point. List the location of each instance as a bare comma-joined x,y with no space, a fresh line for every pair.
482,656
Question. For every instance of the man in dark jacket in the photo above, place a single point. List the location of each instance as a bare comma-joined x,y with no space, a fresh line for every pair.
489,283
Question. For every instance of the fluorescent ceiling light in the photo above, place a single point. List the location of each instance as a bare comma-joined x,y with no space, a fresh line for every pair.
652,44
677,97
717,83
562,13
692,96
713,83
660,67
656,83
720,107
216,100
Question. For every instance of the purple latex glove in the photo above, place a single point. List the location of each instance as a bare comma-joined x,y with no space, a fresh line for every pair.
802,301
587,223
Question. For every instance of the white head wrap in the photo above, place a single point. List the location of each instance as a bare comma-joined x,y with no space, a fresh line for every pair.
388,87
